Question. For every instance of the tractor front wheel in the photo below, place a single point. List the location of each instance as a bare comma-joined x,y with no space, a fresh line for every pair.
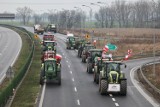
123,88
103,87
59,78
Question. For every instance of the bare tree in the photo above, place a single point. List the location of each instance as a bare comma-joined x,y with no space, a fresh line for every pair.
25,14
37,18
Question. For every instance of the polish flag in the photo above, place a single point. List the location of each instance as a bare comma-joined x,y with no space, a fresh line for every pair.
105,48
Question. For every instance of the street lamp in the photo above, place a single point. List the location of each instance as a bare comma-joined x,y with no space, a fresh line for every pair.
89,12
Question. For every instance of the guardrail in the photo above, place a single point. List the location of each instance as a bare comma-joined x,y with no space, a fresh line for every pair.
150,87
8,91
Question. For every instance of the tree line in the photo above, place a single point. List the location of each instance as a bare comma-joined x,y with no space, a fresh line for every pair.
119,13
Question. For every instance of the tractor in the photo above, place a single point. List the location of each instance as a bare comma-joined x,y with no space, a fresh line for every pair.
49,46
112,79
70,42
92,56
50,71
48,37
85,51
98,68
82,44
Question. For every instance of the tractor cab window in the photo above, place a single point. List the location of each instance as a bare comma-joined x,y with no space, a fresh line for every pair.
113,67
71,39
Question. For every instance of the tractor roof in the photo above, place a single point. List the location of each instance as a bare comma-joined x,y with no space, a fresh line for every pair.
49,41
50,59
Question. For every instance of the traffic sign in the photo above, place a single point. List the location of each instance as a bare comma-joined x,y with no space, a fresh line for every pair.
36,36
111,47
87,36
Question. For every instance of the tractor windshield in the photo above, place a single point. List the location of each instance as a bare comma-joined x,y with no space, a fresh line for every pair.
72,39
113,67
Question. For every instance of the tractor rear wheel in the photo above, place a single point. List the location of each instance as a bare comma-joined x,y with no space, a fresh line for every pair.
123,88
42,77
97,78
90,68
59,78
103,86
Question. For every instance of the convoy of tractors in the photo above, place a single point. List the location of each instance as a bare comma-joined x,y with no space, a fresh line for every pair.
51,66
106,72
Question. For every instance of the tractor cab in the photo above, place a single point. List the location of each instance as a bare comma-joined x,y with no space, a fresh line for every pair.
48,37
70,42
49,46
93,56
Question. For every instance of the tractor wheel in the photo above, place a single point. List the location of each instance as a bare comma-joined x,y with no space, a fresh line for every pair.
85,59
90,68
103,87
59,78
94,77
42,77
97,79
123,86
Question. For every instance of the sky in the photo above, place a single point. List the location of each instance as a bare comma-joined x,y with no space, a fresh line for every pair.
41,6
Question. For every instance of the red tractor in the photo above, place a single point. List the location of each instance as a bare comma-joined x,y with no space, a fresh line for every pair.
51,54
48,37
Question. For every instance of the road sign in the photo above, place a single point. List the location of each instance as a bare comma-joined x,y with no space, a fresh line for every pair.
111,47
87,36
36,36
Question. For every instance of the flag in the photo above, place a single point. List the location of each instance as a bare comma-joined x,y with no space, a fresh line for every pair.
105,48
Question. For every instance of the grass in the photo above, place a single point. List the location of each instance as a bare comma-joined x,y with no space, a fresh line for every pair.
22,56
27,92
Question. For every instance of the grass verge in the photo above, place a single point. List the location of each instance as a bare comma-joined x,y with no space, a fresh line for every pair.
28,90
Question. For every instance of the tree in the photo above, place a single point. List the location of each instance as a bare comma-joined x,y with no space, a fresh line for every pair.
25,14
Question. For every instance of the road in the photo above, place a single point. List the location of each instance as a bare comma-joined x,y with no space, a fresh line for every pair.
10,46
78,89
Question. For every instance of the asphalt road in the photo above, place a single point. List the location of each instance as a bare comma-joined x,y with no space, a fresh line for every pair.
78,89
10,46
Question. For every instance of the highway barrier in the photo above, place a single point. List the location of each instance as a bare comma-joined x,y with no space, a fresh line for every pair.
148,85
7,92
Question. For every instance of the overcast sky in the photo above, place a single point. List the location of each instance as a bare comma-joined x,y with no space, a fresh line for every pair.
40,6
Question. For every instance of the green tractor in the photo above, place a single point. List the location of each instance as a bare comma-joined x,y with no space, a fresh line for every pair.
82,44
49,46
50,71
92,57
98,68
70,42
85,52
112,79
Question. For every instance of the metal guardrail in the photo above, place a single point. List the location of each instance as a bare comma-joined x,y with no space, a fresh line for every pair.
155,89
8,91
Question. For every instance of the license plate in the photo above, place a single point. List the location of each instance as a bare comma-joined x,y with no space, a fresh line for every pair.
113,87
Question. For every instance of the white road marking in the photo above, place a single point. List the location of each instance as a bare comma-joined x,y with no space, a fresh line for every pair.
78,102
113,99
75,89
110,95
73,79
71,72
116,104
67,61
0,53
68,66
42,95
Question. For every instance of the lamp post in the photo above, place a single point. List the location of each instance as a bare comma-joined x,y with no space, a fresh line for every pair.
80,19
90,20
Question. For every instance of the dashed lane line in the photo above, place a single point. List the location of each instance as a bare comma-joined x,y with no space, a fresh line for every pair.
116,104
78,102
69,66
113,99
73,79
110,95
75,89
71,72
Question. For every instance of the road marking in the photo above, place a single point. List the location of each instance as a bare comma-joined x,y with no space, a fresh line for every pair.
68,66
110,95
0,53
42,95
67,61
75,89
117,104
71,72
78,102
73,79
113,99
